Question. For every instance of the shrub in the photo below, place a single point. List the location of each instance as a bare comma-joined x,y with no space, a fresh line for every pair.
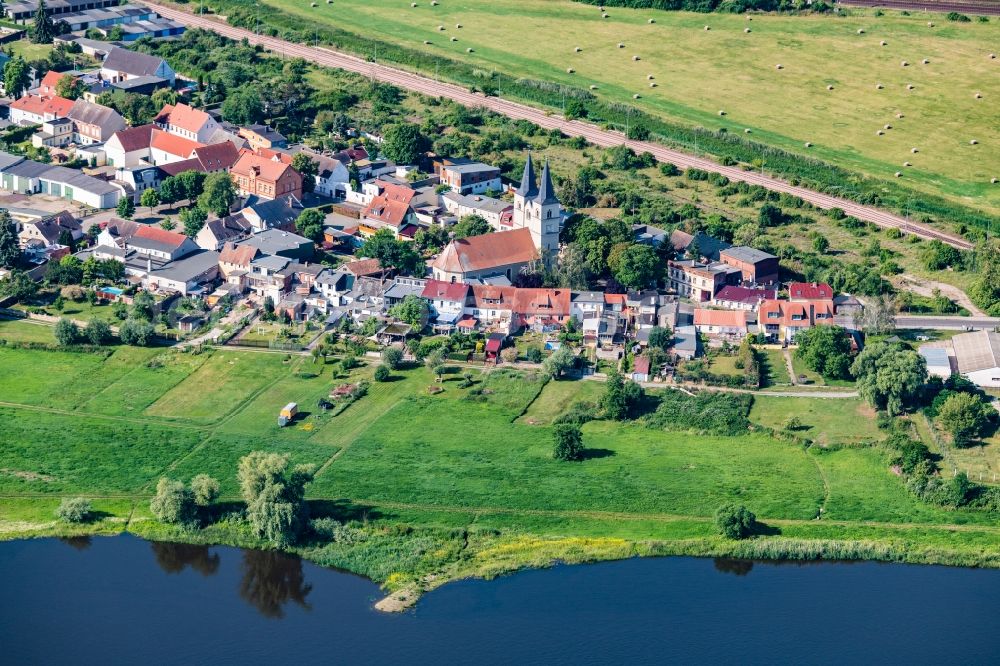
534,355
66,332
136,332
205,489
98,332
735,521
719,413
568,442
392,357
74,510
173,503
382,373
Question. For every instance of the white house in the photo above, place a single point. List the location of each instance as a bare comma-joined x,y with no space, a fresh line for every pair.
121,65
187,122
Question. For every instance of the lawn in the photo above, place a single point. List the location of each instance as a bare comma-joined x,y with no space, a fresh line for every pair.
559,396
825,420
21,330
775,368
785,107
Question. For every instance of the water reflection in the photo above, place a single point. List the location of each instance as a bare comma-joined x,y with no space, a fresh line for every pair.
174,558
271,580
77,542
731,566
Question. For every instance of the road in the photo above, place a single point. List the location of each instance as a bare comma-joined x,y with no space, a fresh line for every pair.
925,287
592,133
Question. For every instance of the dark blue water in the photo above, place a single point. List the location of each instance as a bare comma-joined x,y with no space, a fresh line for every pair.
122,600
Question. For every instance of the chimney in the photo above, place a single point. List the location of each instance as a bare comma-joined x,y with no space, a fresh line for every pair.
149,265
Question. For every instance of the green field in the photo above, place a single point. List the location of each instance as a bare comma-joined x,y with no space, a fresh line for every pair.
699,72
475,459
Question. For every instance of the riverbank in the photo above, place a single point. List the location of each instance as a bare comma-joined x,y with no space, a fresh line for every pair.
409,560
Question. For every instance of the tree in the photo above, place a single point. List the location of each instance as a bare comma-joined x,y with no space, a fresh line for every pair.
125,208
19,285
74,510
70,87
878,316
966,417
42,30
192,183
66,332
559,362
471,225
243,106
309,168
218,193
821,244
661,338
16,77
382,373
568,442
412,310
143,306
735,521
205,489
435,362
621,396
310,224
150,199
431,239
97,332
391,252
171,190
193,220
825,349
392,357
275,496
136,332
10,249
173,503
403,143
635,266
888,376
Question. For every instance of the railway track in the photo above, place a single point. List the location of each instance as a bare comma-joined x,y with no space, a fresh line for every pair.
977,8
600,137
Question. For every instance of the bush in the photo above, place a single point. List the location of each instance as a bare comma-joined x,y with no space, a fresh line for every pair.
568,440
735,521
382,373
98,332
392,357
66,332
74,510
534,355
719,413
205,489
136,332
173,503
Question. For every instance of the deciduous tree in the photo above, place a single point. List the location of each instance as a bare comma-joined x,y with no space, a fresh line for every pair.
567,442
275,496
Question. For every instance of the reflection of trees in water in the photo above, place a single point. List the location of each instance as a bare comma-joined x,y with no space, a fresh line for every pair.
175,557
735,567
272,579
77,542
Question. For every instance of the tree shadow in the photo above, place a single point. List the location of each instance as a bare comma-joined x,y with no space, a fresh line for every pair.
763,529
733,566
345,511
594,454
80,543
271,579
174,558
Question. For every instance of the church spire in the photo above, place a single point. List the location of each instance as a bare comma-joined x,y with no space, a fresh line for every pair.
528,189
547,193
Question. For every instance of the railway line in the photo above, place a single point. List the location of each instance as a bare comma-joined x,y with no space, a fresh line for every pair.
599,137
977,8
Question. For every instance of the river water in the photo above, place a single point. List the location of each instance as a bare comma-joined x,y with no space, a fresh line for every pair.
122,600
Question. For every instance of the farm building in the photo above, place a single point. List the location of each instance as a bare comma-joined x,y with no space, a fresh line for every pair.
978,357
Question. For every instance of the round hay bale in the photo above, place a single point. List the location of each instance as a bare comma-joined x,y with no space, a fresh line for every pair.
577,49
458,25
888,127
879,133
636,96
440,27
621,45
413,4
651,21
910,86
635,58
747,30
722,112
993,56
914,150
994,180
313,4
930,24
905,64
899,115
979,95
925,61
748,131
426,42
879,86
454,39
829,87
468,50
650,77
707,27
809,144
972,142
653,84
604,16
570,70
898,174
593,87
779,66
907,164
884,43
861,31
434,3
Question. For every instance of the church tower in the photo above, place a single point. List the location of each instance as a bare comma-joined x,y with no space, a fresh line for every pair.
538,209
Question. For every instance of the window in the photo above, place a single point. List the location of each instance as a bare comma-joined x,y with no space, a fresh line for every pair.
773,315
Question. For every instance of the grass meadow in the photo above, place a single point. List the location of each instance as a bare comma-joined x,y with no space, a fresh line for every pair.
472,458
733,67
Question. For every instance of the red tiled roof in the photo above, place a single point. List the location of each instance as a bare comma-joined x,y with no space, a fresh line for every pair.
612,299
641,365
727,318
218,156
50,81
135,138
467,322
363,267
437,290
268,170
182,116
394,192
58,107
504,248
553,302
387,210
809,290
239,255
173,144
161,235
745,294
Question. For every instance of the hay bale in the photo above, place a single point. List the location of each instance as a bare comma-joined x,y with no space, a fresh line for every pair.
861,31
884,43
722,112
313,4
434,3
925,61
650,77
441,27
468,50
426,42
779,66
413,4
907,164
879,86
899,115
577,49
888,127
898,174
905,64
621,45
636,96
747,30
979,95
652,21
653,84
570,70
910,86
972,142
993,56
809,144
635,58
829,87
708,27
930,24
914,150
747,131
458,25
994,180
879,133
604,16
593,87
454,39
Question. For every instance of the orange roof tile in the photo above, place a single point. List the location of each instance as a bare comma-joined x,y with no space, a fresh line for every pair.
268,170
494,250
173,144
183,116
160,235
58,107
727,318
238,255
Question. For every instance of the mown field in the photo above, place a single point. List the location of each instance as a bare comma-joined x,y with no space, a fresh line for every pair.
455,484
700,72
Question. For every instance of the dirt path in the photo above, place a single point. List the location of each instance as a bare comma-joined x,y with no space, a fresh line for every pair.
327,57
787,355
924,287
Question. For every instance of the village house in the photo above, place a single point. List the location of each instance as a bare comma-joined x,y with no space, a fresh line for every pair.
585,304
136,180
390,209
721,323
212,158
122,64
280,213
262,136
48,230
491,308
640,369
187,122
698,280
258,176
332,173
277,243
541,309
732,297
236,260
466,176
812,305
756,267
35,110
499,214
697,246
446,302
481,258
